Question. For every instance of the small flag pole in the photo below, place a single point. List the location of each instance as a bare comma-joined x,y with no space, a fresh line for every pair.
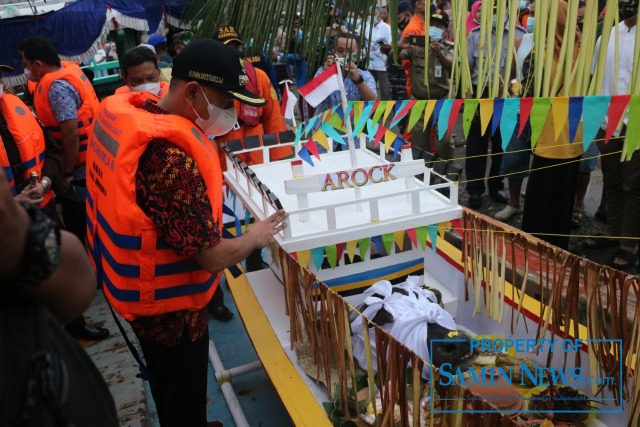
347,118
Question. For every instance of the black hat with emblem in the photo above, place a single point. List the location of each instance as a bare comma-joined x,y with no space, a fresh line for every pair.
211,63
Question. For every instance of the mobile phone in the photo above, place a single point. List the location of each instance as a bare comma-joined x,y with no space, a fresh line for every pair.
416,40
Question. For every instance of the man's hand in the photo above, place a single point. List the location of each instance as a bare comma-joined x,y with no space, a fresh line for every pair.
386,48
262,232
352,71
328,62
31,195
436,48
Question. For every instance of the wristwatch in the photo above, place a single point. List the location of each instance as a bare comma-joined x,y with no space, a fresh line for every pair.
42,251
359,80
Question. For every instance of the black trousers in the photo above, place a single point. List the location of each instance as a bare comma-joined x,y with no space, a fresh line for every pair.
476,163
74,213
180,386
549,203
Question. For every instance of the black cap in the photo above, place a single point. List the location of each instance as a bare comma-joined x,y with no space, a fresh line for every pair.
442,17
211,63
227,34
404,6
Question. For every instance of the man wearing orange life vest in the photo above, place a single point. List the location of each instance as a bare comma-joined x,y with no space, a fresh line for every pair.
155,216
65,104
37,153
253,120
140,73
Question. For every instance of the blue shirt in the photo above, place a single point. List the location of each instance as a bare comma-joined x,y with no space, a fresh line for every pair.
65,101
350,88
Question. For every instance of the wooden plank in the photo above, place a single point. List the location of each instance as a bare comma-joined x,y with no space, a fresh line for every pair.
300,403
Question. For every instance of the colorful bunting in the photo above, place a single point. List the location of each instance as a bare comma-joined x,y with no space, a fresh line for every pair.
575,114
539,113
379,134
380,109
498,104
339,251
594,109
321,139
389,138
432,230
364,116
304,155
397,145
486,111
388,110
428,111
332,257
403,109
312,148
560,113
317,254
398,238
299,134
632,139
411,232
377,243
364,244
509,120
470,107
310,125
526,104
387,240
303,257
421,234
372,128
455,110
617,107
437,109
443,117
416,113
351,249
332,133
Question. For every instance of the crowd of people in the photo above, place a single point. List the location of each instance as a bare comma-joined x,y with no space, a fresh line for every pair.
146,200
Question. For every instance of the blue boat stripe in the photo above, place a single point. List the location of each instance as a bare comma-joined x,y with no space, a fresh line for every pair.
372,274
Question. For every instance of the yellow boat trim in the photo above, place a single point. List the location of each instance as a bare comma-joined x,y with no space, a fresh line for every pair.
294,393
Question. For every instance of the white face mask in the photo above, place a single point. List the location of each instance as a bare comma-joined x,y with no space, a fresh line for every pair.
220,121
152,87
28,75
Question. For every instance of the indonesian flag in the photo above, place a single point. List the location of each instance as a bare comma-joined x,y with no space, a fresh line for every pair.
322,86
289,101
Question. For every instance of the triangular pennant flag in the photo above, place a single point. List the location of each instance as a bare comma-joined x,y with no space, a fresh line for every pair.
309,126
321,139
304,257
632,138
351,249
364,116
470,107
389,138
594,108
388,110
305,155
339,251
421,234
560,113
432,230
539,113
317,254
443,227
509,120
364,244
311,146
402,110
455,110
498,104
526,104
377,243
299,134
437,109
617,107
486,111
380,109
398,238
428,112
332,133
443,117
416,113
332,257
380,132
336,121
387,239
356,108
371,128
575,113
411,232
397,145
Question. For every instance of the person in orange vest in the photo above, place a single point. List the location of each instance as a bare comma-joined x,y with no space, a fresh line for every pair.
155,210
140,73
34,165
65,103
253,120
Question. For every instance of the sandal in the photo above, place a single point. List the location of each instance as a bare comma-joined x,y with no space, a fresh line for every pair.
599,241
628,258
577,218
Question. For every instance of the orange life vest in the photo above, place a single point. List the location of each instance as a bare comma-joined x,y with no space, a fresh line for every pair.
72,73
140,273
164,88
29,140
